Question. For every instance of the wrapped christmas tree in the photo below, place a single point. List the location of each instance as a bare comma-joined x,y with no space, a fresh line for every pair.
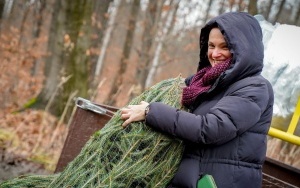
136,156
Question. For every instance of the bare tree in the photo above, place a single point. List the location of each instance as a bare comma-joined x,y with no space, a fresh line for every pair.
53,65
12,14
297,16
118,82
153,14
231,4
242,5
280,9
2,5
106,38
165,29
100,17
207,11
222,7
252,7
268,10
66,69
8,4
31,30
37,30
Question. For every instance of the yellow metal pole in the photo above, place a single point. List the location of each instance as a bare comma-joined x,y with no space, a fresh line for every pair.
295,118
284,136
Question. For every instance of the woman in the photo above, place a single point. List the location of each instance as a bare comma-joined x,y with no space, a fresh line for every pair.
230,107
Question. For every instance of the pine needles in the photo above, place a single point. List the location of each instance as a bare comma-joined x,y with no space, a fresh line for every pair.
136,156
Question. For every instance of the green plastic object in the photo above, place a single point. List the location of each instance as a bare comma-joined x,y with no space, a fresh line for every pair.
207,181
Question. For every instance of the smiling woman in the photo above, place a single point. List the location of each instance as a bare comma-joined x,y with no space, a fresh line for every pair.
230,107
218,50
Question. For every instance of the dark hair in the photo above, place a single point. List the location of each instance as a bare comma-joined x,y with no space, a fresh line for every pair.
204,62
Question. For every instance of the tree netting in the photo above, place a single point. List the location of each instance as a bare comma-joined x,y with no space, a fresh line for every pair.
136,156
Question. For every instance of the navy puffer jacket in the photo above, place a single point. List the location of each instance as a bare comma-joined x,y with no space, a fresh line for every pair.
225,135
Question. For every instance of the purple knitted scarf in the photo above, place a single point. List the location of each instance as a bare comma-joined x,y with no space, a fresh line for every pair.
202,81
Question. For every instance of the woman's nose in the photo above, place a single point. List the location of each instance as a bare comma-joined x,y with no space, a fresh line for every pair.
216,53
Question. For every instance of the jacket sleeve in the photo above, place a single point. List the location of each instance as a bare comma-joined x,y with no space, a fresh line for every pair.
235,113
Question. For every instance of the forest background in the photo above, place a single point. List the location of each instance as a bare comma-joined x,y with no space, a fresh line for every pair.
107,51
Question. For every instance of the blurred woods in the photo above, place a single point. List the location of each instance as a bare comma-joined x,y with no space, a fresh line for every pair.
106,51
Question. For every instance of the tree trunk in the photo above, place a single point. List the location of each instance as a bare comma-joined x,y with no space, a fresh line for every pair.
252,7
106,39
7,8
119,82
66,69
12,15
100,25
75,56
2,5
297,17
152,17
207,11
37,30
231,4
165,29
268,10
279,11
240,5
222,7
53,63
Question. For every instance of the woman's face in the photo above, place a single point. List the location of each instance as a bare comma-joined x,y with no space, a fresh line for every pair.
217,47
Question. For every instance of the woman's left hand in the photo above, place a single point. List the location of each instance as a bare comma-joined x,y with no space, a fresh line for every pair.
133,113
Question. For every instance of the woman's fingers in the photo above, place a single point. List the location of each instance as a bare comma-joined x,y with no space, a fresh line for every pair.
133,113
125,123
125,116
125,113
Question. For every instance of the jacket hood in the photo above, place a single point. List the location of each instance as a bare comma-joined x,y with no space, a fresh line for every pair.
243,35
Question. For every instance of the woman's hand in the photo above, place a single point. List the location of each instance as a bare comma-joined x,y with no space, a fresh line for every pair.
133,113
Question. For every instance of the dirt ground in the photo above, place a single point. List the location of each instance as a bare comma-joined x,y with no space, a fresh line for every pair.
30,143
12,166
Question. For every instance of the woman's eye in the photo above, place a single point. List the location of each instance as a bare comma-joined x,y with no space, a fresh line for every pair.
210,46
225,47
